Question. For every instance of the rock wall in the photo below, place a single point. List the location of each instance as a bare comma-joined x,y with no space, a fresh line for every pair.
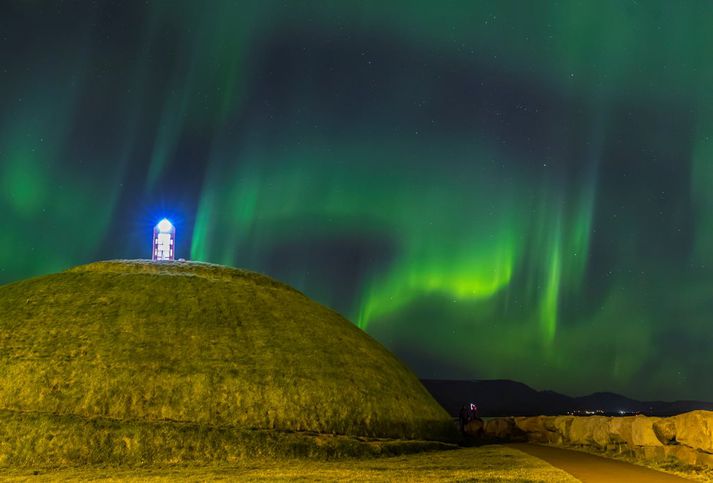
686,438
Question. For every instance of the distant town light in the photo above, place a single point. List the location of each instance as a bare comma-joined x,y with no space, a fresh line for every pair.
164,241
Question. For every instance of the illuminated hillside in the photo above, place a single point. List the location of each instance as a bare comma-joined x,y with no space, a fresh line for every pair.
138,362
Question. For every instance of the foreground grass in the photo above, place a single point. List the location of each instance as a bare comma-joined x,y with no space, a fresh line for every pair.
487,463
691,472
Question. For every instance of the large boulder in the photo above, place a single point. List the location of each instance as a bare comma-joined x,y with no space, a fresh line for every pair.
502,429
684,454
591,430
665,430
642,431
549,423
534,424
620,430
650,453
474,428
536,429
562,425
695,429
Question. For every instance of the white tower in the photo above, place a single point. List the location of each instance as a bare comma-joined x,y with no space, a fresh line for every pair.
164,241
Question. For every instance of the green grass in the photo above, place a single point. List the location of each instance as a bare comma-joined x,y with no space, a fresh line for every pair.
487,463
50,441
190,355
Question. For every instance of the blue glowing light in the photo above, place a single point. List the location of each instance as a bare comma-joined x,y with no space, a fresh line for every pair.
164,226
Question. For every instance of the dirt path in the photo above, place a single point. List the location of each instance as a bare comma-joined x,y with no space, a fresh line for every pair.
595,469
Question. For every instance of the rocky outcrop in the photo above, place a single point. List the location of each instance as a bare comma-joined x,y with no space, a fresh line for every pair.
474,428
500,429
694,429
686,438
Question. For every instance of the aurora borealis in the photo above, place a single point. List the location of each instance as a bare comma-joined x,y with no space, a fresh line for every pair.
500,189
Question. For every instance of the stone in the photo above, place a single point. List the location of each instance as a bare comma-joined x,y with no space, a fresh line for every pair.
499,428
539,429
695,429
580,432
554,437
600,432
704,459
474,428
533,424
562,425
549,423
665,430
617,448
620,429
653,453
590,431
683,454
642,431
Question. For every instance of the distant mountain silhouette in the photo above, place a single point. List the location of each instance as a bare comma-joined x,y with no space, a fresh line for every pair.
501,397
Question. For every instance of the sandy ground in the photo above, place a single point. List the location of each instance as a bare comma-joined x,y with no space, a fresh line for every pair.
595,469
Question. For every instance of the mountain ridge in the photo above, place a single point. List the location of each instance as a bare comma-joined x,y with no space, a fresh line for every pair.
504,397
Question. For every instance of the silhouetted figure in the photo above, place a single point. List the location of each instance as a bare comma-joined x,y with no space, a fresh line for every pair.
463,417
472,412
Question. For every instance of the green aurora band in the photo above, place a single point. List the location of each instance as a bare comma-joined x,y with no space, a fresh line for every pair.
502,189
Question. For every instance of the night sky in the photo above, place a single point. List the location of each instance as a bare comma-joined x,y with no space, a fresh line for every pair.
503,189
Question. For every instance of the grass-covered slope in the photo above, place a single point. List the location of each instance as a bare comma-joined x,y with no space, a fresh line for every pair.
135,351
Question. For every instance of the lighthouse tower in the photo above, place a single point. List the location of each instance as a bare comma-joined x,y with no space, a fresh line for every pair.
164,241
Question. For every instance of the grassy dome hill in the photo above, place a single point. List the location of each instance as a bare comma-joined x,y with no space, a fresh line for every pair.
139,362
